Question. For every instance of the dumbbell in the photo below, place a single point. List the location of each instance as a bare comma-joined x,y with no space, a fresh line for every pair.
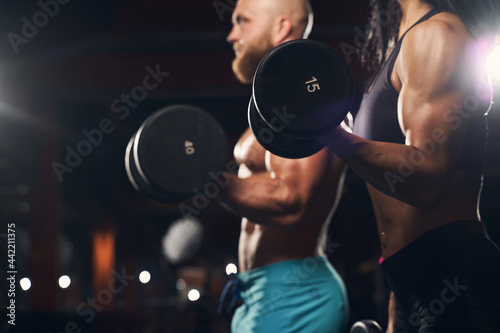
176,150
301,89
366,326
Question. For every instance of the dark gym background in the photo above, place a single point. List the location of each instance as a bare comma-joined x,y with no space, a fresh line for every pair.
61,79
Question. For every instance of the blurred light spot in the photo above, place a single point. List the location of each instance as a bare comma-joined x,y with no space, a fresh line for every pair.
182,239
24,207
181,284
193,295
64,281
25,283
493,64
144,277
231,269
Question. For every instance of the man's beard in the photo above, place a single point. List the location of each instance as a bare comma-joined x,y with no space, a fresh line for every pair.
246,63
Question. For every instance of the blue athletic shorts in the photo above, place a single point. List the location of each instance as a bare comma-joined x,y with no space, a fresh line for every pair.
303,295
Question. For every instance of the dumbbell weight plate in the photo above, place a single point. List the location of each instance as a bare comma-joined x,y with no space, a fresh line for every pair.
177,149
277,143
138,182
307,80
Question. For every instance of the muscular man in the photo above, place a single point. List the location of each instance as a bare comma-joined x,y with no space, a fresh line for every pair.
285,204
419,142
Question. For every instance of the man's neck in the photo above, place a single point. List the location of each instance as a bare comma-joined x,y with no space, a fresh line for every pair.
412,11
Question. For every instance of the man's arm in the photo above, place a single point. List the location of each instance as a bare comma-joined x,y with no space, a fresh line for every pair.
282,197
430,68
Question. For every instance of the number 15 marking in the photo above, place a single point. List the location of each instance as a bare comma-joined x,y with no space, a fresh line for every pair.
312,87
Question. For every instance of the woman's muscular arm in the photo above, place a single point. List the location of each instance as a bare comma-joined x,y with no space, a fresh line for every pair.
431,68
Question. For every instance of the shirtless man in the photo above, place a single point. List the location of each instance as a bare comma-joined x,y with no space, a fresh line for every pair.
285,204
419,142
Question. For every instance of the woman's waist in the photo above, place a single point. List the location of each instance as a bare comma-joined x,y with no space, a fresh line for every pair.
447,236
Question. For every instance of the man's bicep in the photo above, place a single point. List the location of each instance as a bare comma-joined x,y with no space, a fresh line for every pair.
303,174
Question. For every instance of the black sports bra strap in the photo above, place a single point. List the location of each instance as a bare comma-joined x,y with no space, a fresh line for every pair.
427,16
